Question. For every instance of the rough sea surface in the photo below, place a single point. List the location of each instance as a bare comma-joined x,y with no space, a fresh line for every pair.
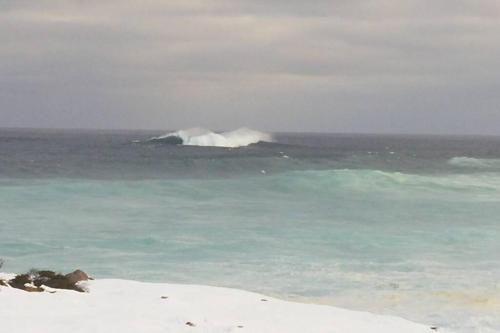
402,225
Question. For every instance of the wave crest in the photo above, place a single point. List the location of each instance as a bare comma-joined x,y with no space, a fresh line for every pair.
470,162
483,186
203,137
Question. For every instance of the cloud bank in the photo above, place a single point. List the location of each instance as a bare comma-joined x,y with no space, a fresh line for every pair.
416,66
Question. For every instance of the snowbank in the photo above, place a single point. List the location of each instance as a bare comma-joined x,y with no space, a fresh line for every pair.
128,306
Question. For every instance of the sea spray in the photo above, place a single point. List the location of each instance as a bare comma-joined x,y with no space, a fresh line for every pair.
203,137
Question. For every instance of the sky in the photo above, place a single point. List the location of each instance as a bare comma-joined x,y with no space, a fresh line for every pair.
385,66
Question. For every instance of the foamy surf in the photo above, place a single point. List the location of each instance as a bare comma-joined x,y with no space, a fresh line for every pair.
203,137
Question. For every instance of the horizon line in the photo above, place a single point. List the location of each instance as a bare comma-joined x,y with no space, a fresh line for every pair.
272,132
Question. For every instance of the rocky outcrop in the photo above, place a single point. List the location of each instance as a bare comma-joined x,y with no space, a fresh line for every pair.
35,281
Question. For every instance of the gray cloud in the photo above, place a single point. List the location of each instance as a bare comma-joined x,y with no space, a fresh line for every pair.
350,66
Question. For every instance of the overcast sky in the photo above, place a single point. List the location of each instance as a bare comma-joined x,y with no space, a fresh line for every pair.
421,66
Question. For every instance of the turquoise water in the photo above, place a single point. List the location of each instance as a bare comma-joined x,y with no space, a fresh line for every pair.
422,245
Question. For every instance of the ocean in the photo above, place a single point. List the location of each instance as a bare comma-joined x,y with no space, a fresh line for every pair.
391,224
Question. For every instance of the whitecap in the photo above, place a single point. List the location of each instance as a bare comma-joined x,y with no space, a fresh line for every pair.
203,137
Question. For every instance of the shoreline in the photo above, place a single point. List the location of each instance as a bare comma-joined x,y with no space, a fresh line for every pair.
113,305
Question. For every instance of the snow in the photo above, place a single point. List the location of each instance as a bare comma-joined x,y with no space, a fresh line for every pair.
129,306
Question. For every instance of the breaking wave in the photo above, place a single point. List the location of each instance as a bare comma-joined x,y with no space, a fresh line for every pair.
330,182
204,137
470,162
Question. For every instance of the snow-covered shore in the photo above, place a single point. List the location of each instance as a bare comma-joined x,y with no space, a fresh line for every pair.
130,306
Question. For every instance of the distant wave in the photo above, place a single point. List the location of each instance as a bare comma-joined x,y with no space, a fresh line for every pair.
392,183
470,162
204,137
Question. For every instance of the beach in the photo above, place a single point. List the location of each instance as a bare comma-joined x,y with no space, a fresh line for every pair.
113,305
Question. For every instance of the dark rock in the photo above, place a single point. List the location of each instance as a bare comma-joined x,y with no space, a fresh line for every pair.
42,277
77,276
46,274
190,324
36,279
25,282
61,282
20,280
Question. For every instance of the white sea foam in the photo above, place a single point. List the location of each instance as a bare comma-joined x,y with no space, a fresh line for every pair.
204,137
